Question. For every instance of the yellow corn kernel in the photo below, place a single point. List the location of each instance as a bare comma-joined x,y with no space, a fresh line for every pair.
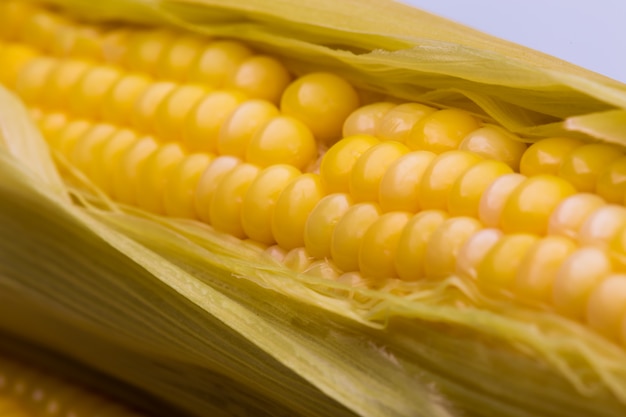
442,130
529,207
493,142
115,45
84,151
366,119
59,83
33,78
282,140
14,15
228,197
578,276
568,217
217,62
349,232
445,243
171,114
178,56
39,29
146,49
88,92
126,168
292,209
398,122
377,252
602,226
79,42
238,128
297,259
440,176
499,267
474,250
370,167
258,203
65,141
13,57
260,77
143,115
119,103
322,101
51,125
339,160
535,277
468,189
584,165
611,184
606,308
104,164
180,187
546,155
202,126
399,187
411,251
154,174
207,185
321,223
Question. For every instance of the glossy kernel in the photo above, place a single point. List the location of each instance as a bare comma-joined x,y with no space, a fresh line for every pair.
181,185
366,119
260,77
337,163
398,122
611,184
321,223
145,49
583,166
606,308
378,248
493,142
144,111
88,92
120,101
442,130
207,185
568,217
178,56
217,62
474,250
399,187
348,234
546,155
602,225
499,267
171,113
126,168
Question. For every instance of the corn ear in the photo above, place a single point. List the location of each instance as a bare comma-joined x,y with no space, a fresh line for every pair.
208,324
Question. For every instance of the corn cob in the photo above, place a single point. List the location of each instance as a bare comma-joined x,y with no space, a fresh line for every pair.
379,195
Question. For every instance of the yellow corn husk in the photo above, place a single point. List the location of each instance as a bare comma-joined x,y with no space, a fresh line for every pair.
211,326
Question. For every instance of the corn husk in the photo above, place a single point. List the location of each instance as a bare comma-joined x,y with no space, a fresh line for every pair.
211,326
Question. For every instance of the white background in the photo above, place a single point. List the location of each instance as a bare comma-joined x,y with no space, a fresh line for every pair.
591,34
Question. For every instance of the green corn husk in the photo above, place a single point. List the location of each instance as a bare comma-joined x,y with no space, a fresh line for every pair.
207,324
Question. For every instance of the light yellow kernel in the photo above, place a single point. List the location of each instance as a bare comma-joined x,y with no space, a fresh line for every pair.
126,168
211,178
171,114
276,253
348,234
323,269
474,250
84,151
411,251
259,200
145,49
154,174
33,79
369,168
202,126
546,155
217,62
577,277
499,267
366,119
606,308
261,77
292,209
39,28
322,101
119,103
584,165
66,140
337,163
115,45
443,247
602,226
568,217
103,164
538,270
143,115
321,223
88,92
59,83
398,122
282,140
180,187
297,259
468,189
238,128
493,142
442,130
51,125
377,253
611,184
179,56
399,187
440,176
530,205
226,205
14,57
